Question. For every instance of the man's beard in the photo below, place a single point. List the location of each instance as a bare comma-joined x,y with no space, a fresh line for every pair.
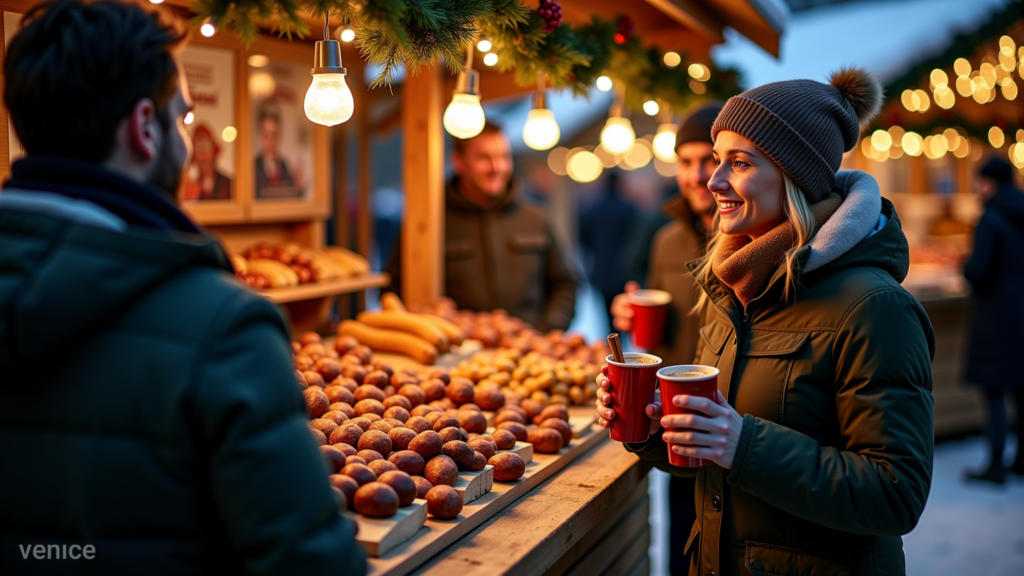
166,173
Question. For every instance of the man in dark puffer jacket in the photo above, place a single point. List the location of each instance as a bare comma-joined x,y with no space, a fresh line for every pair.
150,421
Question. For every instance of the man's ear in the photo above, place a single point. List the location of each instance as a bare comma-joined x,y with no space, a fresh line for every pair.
143,138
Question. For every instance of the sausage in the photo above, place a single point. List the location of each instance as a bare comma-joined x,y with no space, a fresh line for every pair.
385,340
412,323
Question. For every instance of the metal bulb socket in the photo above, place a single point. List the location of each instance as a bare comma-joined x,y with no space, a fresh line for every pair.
468,83
327,58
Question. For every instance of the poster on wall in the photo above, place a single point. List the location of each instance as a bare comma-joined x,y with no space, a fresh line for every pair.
12,24
283,138
212,124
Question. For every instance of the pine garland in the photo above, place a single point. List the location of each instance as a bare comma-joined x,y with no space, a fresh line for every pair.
421,33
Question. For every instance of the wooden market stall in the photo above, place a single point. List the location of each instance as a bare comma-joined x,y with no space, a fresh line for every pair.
582,509
946,114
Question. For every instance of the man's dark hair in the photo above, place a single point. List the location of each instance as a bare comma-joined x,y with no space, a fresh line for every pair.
76,70
489,129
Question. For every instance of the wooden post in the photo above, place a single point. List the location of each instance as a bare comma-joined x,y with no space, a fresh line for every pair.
963,175
918,175
423,174
365,240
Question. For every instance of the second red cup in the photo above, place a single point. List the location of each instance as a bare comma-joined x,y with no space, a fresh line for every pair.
692,380
650,313
633,384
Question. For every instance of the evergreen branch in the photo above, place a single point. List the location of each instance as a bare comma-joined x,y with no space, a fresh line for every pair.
422,33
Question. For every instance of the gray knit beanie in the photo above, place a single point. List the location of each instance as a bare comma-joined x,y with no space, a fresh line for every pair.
697,125
805,126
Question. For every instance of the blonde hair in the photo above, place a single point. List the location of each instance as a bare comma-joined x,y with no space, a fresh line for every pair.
796,210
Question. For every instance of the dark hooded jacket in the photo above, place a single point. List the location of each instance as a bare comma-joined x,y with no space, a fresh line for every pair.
148,404
834,460
996,273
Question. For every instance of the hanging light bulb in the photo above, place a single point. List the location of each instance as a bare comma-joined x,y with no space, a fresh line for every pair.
209,28
665,142
464,117
617,136
328,99
541,130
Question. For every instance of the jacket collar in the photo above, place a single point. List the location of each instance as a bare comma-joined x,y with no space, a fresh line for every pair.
454,198
136,203
1008,201
887,250
678,209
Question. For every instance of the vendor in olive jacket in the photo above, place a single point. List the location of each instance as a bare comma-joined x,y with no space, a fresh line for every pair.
150,420
499,249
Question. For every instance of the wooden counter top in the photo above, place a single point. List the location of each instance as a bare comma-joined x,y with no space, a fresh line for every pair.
593,513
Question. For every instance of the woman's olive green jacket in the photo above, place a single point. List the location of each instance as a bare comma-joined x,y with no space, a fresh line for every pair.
835,458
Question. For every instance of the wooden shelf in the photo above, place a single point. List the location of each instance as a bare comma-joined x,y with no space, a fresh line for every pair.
315,290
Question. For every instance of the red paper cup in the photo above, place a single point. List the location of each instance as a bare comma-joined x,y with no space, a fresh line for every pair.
650,312
631,391
673,384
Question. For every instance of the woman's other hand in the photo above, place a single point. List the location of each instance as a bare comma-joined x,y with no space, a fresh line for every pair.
715,432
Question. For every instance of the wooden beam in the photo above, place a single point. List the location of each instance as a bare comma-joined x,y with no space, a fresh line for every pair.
423,174
693,15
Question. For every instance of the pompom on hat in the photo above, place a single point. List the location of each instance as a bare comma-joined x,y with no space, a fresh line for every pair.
805,126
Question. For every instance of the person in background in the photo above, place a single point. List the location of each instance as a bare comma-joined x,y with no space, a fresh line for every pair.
604,230
996,273
150,419
205,182
499,250
819,438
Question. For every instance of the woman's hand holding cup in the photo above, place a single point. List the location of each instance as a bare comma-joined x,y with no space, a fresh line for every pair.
710,431
606,413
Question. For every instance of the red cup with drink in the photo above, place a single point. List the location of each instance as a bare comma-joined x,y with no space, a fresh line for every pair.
650,313
692,380
632,389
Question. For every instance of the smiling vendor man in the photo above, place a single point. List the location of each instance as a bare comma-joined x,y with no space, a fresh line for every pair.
499,248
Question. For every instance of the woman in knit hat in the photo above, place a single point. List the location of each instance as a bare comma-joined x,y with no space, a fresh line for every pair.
821,434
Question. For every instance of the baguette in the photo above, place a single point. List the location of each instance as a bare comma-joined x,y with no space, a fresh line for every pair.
239,263
390,341
412,323
280,276
455,334
326,268
356,264
391,302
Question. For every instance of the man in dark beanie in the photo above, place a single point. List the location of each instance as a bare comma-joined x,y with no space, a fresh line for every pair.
675,243
150,418
996,273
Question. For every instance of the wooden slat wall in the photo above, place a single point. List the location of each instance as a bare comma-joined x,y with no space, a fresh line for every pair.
617,546
554,527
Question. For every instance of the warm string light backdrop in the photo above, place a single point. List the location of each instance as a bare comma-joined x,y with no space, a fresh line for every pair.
970,104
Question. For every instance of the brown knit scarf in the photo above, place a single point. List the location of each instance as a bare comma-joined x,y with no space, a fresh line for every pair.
745,266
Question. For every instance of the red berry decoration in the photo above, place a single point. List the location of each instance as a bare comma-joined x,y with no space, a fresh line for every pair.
551,13
624,30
